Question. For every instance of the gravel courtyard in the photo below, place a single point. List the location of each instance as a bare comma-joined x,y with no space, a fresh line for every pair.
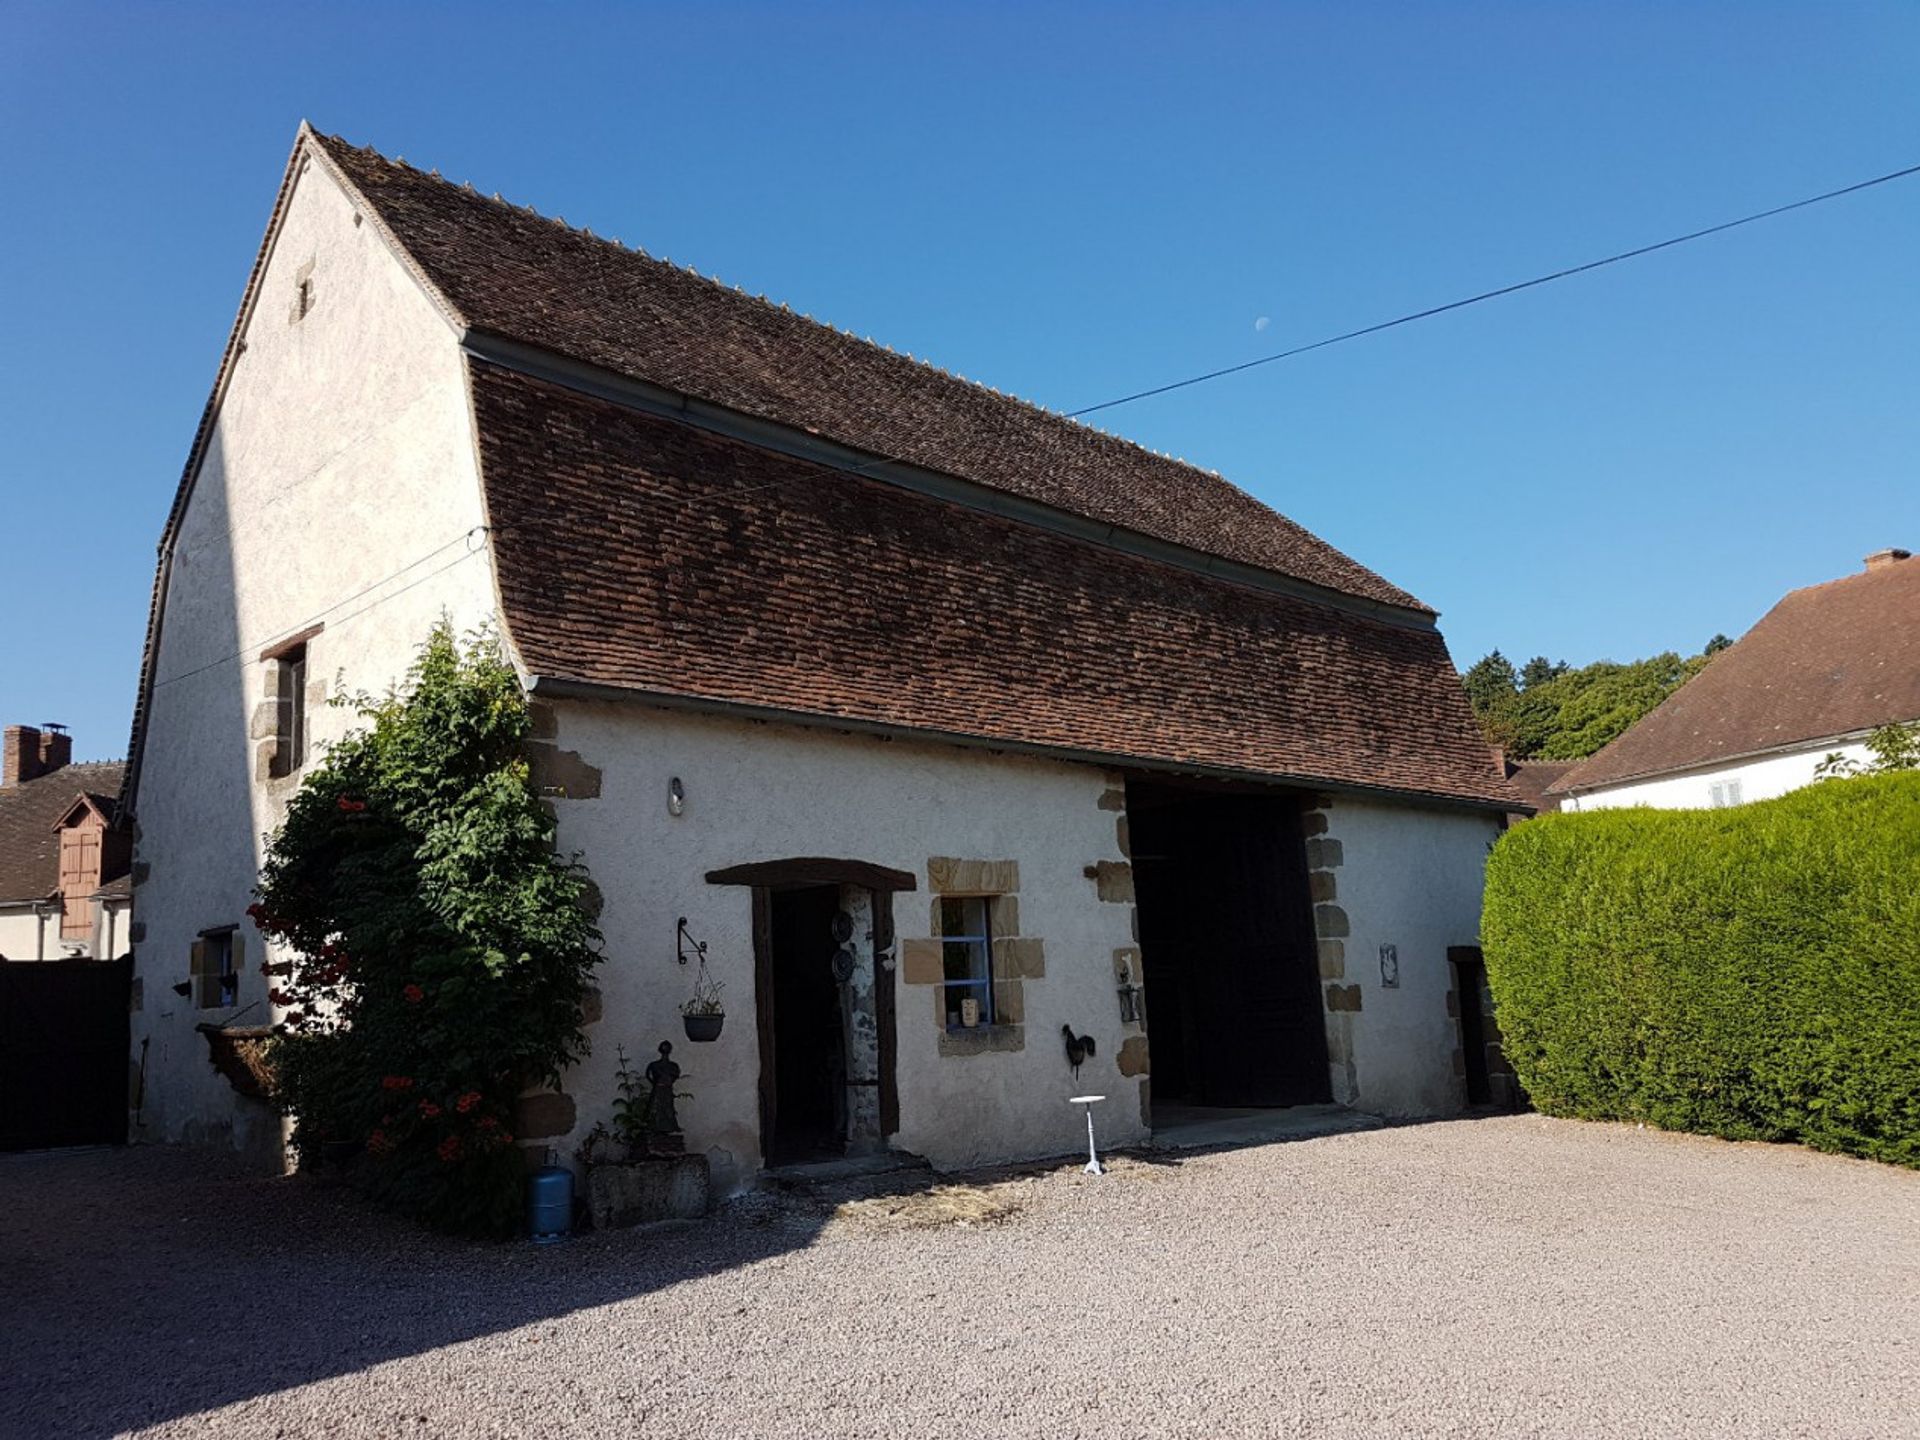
1513,1276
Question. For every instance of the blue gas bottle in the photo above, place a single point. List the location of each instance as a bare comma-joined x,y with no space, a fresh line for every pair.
550,1204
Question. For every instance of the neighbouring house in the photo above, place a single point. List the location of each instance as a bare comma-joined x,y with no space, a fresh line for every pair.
1532,780
949,725
64,883
1822,670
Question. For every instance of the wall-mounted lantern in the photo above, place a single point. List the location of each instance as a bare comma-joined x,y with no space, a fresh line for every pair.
676,801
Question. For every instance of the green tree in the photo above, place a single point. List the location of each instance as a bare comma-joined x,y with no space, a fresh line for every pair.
1490,681
1716,645
432,951
1889,748
1539,670
1549,710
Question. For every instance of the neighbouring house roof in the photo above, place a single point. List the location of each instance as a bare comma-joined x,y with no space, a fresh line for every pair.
643,554
29,815
1532,778
1829,660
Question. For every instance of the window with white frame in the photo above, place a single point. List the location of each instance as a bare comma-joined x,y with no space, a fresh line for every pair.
1725,793
966,948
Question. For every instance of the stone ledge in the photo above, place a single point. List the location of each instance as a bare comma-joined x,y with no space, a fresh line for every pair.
983,1040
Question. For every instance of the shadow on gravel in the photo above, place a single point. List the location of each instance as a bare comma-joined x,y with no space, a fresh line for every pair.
144,1285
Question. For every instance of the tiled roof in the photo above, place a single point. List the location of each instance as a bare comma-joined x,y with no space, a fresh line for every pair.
1532,778
1828,660
29,845
645,554
510,272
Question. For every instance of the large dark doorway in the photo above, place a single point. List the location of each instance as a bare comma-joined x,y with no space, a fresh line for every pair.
1227,943
63,1052
809,1052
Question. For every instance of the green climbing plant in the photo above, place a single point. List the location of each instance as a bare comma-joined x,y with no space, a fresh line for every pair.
429,949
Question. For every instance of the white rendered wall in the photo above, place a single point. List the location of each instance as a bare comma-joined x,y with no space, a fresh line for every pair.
758,792
26,936
341,457
1411,878
1762,778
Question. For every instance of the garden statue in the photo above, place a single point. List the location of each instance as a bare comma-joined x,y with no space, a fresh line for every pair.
663,1126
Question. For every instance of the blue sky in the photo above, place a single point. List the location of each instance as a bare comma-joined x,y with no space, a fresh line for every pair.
1070,202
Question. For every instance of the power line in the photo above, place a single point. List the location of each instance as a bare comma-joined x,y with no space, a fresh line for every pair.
1495,294
316,618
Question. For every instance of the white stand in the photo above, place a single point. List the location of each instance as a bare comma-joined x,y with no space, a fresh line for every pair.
1093,1166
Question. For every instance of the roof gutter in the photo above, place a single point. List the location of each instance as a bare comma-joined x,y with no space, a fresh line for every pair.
556,687
602,384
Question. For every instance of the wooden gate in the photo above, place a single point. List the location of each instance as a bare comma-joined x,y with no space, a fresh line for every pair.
63,1052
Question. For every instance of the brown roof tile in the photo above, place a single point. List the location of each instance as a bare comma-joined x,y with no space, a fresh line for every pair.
645,554
510,272
1828,660
29,844
1533,778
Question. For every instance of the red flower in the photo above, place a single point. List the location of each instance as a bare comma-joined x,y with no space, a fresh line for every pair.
429,1109
449,1149
396,1082
489,1122
467,1101
414,994
349,806
378,1142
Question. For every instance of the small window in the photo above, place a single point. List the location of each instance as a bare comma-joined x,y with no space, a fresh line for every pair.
290,724
216,969
966,937
1725,793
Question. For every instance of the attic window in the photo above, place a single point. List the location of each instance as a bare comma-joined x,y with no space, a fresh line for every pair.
1725,794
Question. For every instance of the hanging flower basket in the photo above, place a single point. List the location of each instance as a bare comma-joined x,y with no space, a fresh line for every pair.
703,1015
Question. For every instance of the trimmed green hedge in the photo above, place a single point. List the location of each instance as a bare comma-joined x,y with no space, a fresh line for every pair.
1752,973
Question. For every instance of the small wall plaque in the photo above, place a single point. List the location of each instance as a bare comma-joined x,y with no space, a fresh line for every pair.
1390,966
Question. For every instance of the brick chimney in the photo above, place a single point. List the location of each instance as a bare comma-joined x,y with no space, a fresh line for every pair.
32,751
1880,559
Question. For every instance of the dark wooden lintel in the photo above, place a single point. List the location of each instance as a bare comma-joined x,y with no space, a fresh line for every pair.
814,870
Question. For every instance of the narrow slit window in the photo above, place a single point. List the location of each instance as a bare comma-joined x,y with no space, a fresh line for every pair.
216,969
290,725
966,947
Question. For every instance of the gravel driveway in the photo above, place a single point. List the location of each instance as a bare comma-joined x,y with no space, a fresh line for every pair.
1515,1276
